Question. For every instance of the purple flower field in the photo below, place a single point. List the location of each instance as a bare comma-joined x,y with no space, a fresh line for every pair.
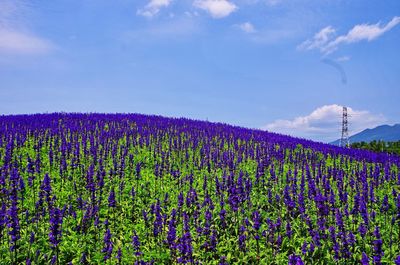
136,189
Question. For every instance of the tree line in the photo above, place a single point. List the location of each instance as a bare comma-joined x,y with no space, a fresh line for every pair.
379,146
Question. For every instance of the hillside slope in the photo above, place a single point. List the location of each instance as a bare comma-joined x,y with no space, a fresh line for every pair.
385,133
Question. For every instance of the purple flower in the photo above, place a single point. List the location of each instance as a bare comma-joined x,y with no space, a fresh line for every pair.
13,220
289,231
385,204
222,261
397,260
242,238
32,238
136,244
108,245
56,220
362,229
222,215
158,221
83,259
364,259
111,199
213,240
185,248
119,255
180,200
171,237
53,260
256,220
304,248
378,251
295,260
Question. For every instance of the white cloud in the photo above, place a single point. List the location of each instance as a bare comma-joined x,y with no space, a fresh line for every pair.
153,8
174,29
323,124
216,8
343,59
15,38
273,2
363,32
319,40
15,42
247,27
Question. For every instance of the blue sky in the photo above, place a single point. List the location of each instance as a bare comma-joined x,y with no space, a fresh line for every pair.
280,65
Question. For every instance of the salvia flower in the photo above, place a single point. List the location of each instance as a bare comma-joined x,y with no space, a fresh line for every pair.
136,244
111,199
385,204
256,220
378,251
56,220
108,245
364,259
397,260
295,260
242,238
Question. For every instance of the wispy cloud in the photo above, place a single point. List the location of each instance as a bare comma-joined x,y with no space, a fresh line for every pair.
153,8
326,43
273,2
15,37
246,27
323,123
319,41
175,29
343,59
15,42
216,8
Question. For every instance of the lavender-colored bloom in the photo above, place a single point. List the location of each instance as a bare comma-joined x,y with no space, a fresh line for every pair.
136,244
46,186
378,251
222,215
53,260
385,204
171,237
185,248
145,217
108,245
289,231
364,259
362,229
213,241
295,260
83,259
158,221
222,261
111,199
290,203
119,255
256,220
242,238
304,248
56,220
397,260
13,221
180,200
32,238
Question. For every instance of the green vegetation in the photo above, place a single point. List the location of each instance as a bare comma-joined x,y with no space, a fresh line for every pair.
379,146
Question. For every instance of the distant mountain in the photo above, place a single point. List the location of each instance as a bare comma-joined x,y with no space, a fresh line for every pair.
386,133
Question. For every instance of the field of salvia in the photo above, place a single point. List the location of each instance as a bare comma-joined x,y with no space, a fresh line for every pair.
136,189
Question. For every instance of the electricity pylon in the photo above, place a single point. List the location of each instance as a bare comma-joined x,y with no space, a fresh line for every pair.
344,141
